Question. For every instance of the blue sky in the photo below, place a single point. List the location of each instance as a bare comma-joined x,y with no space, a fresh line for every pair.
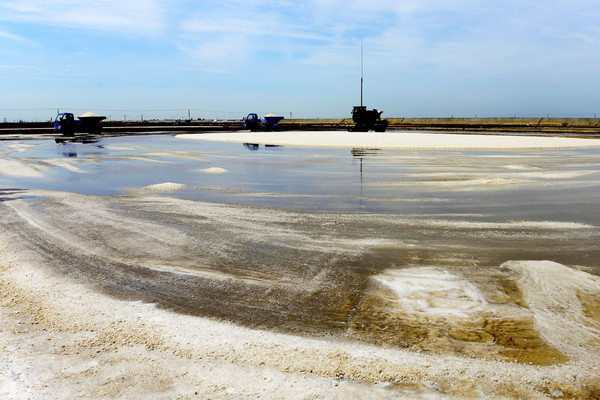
223,59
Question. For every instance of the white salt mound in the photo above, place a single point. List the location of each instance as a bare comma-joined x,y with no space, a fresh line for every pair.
214,170
165,187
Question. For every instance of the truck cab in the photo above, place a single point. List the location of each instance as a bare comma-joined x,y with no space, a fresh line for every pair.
65,124
251,122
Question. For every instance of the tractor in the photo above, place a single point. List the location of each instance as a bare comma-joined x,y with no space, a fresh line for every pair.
367,120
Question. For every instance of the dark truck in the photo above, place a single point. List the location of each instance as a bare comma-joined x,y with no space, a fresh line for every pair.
66,124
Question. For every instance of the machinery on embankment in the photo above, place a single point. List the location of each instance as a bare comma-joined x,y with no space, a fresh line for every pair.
366,120
573,127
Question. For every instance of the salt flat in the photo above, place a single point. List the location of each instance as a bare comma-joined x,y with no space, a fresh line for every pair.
397,140
191,269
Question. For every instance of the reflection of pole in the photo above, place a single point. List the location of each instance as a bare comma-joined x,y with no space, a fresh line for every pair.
361,179
361,182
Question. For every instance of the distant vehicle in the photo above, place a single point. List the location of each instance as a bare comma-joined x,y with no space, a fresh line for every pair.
89,123
367,120
255,124
364,119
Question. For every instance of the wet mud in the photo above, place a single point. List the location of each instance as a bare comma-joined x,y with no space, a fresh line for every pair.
311,274
503,331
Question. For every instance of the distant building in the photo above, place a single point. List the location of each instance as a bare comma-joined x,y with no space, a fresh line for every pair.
5,120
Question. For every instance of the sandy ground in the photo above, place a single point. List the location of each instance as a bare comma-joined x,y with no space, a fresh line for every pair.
397,140
138,303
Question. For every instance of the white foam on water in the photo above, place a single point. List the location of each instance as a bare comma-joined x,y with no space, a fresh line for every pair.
165,187
177,154
35,168
64,163
539,225
15,167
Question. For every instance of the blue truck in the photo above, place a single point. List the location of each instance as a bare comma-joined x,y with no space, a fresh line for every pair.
67,125
255,124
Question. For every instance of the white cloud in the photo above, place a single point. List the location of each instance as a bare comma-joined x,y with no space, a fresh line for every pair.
12,37
131,16
250,32
443,36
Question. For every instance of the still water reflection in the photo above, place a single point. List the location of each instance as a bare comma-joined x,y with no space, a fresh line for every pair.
536,184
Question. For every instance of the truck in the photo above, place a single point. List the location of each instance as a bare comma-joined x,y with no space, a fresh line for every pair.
66,124
255,124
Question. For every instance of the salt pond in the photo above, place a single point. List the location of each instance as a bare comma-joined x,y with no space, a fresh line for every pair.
536,183
484,261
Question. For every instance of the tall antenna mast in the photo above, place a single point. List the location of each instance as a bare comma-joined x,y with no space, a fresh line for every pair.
361,73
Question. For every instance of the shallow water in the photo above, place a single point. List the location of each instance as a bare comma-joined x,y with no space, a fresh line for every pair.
471,188
512,184
399,248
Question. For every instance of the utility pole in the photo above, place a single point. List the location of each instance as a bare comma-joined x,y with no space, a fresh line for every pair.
361,72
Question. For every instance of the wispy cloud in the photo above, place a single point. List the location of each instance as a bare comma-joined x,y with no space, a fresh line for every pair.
7,36
255,31
143,17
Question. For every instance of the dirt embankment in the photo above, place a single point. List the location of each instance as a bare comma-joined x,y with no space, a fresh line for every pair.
516,124
564,126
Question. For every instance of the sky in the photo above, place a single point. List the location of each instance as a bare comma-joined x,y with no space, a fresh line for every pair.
302,59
